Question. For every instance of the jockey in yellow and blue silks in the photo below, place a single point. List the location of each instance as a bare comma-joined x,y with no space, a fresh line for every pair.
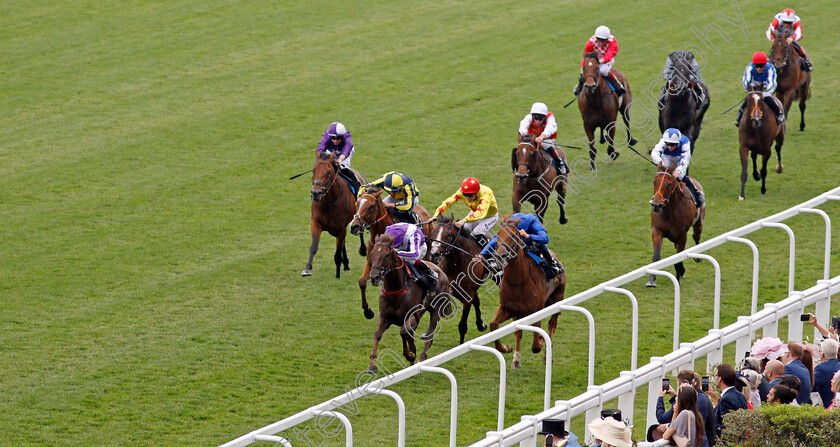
531,231
402,195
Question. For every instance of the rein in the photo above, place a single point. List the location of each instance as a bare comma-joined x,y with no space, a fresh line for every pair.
659,189
327,186
386,270
365,224
521,246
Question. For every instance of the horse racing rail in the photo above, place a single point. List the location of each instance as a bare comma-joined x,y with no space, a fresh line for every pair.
624,387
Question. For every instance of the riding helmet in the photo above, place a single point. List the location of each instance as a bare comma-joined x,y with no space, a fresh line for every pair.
393,182
470,185
337,130
602,32
759,58
672,136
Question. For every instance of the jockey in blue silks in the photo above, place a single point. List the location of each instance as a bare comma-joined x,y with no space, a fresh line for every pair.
531,231
761,76
674,148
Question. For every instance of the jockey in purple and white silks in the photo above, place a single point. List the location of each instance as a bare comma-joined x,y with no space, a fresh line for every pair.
410,245
674,148
337,139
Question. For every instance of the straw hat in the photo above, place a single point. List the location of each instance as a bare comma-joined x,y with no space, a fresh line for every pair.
611,431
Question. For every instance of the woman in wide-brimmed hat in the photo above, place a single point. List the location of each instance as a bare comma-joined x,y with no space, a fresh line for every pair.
611,432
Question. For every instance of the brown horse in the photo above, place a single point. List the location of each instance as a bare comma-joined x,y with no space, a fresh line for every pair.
600,105
453,256
756,133
401,300
792,81
332,209
524,289
672,213
534,178
372,215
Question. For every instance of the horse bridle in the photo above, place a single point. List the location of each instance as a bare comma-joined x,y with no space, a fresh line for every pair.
365,224
387,269
527,165
327,186
449,244
665,200
773,58
756,99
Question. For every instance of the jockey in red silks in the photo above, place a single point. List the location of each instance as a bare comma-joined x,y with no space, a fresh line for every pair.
542,126
606,46
787,22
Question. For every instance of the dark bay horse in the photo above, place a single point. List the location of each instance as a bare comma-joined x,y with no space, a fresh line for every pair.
524,289
372,215
332,209
756,134
599,107
455,262
672,213
401,300
535,177
679,107
792,82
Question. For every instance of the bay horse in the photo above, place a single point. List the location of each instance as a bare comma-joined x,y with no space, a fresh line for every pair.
756,134
792,82
535,178
455,262
599,107
679,107
672,213
401,300
524,289
372,215
332,210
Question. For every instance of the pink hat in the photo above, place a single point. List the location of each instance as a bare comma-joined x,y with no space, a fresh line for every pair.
770,348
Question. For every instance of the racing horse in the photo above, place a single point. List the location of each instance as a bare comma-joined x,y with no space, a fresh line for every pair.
524,288
452,251
372,215
792,82
672,213
756,133
600,106
401,300
332,210
535,177
679,108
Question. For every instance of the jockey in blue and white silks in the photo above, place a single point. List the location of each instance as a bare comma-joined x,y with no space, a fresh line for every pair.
674,148
761,76
530,230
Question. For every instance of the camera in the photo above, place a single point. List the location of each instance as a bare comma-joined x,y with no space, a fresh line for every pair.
804,317
666,383
705,383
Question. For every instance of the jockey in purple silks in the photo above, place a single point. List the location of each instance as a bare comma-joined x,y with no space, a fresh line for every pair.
337,139
410,245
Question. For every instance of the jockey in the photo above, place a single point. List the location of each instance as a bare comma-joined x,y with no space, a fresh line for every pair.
694,77
675,148
481,201
787,23
338,139
541,122
761,76
410,245
533,232
606,46
402,195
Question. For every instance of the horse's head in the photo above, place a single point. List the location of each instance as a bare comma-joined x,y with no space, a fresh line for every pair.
509,239
754,110
446,232
664,184
382,258
323,175
591,75
523,159
369,210
681,76
780,51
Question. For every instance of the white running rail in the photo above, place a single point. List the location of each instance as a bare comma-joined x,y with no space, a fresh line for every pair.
624,387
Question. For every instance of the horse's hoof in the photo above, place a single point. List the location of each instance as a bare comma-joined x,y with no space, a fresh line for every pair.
651,283
306,272
368,313
698,260
780,168
516,364
756,176
603,140
763,190
481,326
633,141
372,368
536,349
346,268
564,220
801,127
423,357
505,349
740,198
614,155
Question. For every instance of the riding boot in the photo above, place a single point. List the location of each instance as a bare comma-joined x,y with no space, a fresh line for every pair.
619,90
430,275
579,86
698,196
805,60
351,179
562,169
740,114
774,106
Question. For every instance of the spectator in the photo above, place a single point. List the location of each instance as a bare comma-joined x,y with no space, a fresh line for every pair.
793,383
764,384
781,394
687,429
704,406
835,386
826,333
824,372
768,348
799,363
750,379
730,398
773,371
610,433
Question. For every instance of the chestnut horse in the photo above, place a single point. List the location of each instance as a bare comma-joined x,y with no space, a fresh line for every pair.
332,209
679,107
535,177
599,106
401,300
372,215
453,256
756,134
524,289
672,213
792,82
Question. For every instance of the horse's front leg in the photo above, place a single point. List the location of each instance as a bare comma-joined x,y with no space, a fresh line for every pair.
537,345
680,246
657,247
764,159
743,172
613,154
479,323
501,316
406,331
434,317
381,326
363,287
561,197
340,253
517,356
462,324
756,175
625,116
516,198
590,135
313,248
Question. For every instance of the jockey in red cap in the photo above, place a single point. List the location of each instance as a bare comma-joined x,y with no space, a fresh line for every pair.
786,23
482,203
761,76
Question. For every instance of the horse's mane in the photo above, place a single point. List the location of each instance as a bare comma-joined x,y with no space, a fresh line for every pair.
385,238
372,190
325,155
527,138
591,55
444,219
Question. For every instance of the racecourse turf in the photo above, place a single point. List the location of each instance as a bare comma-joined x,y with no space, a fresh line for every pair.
152,242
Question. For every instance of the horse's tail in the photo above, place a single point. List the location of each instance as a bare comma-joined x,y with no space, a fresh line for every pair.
362,247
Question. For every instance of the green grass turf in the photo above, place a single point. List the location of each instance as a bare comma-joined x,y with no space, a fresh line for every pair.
152,243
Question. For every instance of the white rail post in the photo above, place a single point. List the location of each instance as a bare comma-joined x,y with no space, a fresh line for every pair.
743,344
400,413
341,417
676,302
754,302
453,405
277,440
772,329
627,401
500,423
595,412
716,319
689,364
827,262
653,389
530,441
634,344
715,357
792,249
591,367
794,324
548,357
